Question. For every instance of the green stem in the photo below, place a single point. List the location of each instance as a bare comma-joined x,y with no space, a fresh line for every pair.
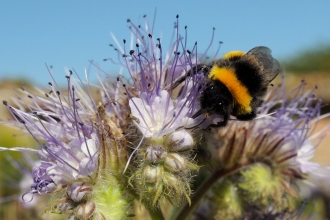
204,188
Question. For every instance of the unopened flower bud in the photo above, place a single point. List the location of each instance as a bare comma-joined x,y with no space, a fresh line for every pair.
155,154
180,141
85,210
78,191
65,206
172,180
151,173
175,162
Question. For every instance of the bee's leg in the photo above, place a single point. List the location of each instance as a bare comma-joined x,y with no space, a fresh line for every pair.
198,113
222,123
246,117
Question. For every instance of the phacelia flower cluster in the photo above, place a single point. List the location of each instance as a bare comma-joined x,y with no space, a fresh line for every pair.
139,138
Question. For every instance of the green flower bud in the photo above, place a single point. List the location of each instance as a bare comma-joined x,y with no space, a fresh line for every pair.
264,186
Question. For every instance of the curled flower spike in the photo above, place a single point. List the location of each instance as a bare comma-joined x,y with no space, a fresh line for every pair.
164,154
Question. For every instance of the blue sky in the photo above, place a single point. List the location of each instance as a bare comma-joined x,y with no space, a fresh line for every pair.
66,34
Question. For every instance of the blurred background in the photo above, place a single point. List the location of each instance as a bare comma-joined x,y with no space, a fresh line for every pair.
72,34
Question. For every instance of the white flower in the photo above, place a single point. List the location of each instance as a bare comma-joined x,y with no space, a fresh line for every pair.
157,115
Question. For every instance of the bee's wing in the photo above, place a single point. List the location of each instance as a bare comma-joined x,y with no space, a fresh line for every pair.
270,67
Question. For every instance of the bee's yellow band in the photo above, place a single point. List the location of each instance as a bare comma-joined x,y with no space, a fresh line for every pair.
239,92
233,54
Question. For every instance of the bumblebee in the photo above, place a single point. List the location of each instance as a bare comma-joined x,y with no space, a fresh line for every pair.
236,84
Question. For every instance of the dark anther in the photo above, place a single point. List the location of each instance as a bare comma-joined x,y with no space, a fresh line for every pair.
124,55
131,52
19,118
139,26
58,92
124,85
137,45
81,124
30,96
196,43
110,45
158,39
148,84
51,91
128,20
68,77
50,84
140,54
117,79
124,41
70,71
214,28
105,59
188,51
5,102
144,16
316,87
220,42
46,95
185,27
177,16
77,100
149,35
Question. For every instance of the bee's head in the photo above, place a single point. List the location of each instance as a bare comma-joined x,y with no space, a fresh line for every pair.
216,99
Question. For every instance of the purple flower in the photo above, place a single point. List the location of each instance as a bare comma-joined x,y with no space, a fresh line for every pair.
63,127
